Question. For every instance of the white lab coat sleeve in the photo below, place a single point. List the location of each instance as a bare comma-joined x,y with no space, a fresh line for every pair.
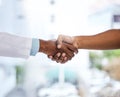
14,46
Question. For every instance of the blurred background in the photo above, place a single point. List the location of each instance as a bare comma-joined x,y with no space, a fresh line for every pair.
89,74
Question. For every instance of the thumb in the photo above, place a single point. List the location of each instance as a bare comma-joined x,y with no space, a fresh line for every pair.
63,38
59,41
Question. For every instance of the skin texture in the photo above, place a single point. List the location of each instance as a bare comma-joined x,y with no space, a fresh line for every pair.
103,41
106,40
49,48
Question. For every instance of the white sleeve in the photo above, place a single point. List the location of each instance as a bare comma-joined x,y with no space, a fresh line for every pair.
14,46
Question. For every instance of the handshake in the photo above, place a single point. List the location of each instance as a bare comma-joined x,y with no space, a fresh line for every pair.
65,47
60,50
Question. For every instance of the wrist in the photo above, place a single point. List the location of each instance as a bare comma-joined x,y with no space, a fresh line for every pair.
75,42
42,44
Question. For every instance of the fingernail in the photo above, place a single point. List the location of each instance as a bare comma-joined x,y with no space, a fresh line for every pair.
63,54
76,52
50,57
65,58
58,55
59,46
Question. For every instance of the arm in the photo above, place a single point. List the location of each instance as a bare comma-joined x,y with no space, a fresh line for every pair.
22,47
49,47
106,40
14,46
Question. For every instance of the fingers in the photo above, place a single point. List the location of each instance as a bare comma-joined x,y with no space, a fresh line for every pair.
65,49
64,54
59,41
69,42
60,57
50,57
63,38
71,48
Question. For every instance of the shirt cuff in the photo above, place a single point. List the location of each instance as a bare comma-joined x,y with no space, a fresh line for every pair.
35,47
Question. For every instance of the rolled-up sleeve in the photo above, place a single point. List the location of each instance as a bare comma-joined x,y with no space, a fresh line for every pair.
35,47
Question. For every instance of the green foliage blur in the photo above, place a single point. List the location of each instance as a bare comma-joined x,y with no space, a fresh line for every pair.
96,58
111,53
20,73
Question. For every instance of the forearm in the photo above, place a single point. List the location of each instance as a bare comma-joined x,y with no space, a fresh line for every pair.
47,46
106,40
43,46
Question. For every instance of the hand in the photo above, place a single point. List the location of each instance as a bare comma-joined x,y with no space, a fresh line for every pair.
63,57
66,39
69,41
50,48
